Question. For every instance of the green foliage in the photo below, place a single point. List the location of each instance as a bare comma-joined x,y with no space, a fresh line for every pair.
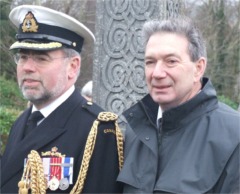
228,101
12,104
7,118
10,95
7,32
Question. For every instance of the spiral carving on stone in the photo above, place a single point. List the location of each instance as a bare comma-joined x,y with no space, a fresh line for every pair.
123,68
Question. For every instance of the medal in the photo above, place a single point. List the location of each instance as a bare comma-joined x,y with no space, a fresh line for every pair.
53,184
63,184
58,170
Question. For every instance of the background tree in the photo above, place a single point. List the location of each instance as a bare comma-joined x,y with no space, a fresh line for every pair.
219,22
7,33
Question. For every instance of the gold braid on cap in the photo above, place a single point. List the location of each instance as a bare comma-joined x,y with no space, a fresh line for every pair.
36,45
33,176
89,147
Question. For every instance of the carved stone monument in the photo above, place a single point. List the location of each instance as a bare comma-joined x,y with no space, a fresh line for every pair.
118,71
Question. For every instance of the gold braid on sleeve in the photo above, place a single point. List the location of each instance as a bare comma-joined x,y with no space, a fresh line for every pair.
89,147
33,176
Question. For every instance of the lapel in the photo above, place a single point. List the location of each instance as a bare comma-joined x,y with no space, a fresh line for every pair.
144,111
47,131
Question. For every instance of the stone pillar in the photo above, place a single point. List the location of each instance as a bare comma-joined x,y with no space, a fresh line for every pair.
118,71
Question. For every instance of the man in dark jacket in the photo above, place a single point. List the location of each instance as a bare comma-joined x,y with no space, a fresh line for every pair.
73,148
180,138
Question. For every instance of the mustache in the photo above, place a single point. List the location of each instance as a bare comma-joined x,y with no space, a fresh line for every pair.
29,77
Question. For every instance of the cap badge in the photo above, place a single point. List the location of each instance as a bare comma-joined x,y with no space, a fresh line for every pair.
29,23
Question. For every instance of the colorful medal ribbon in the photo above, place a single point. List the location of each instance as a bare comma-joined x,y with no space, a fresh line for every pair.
55,173
56,169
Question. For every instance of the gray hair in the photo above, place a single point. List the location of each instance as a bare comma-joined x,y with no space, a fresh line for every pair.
182,26
68,52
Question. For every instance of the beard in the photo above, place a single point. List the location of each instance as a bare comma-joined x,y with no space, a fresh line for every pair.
36,95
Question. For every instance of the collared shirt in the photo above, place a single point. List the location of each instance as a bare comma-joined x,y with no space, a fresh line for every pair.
51,107
159,116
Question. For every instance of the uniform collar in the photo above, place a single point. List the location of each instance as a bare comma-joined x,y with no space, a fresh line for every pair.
51,107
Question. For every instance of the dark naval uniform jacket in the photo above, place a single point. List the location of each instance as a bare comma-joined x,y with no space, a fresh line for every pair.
66,128
195,151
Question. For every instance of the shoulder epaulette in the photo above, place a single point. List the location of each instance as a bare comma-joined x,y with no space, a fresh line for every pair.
90,144
107,116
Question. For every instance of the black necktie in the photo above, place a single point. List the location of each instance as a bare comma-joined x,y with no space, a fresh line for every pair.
32,122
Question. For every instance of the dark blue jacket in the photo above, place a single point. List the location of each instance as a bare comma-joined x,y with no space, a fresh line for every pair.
67,128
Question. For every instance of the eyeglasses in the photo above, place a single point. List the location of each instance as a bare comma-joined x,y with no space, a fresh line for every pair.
39,59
